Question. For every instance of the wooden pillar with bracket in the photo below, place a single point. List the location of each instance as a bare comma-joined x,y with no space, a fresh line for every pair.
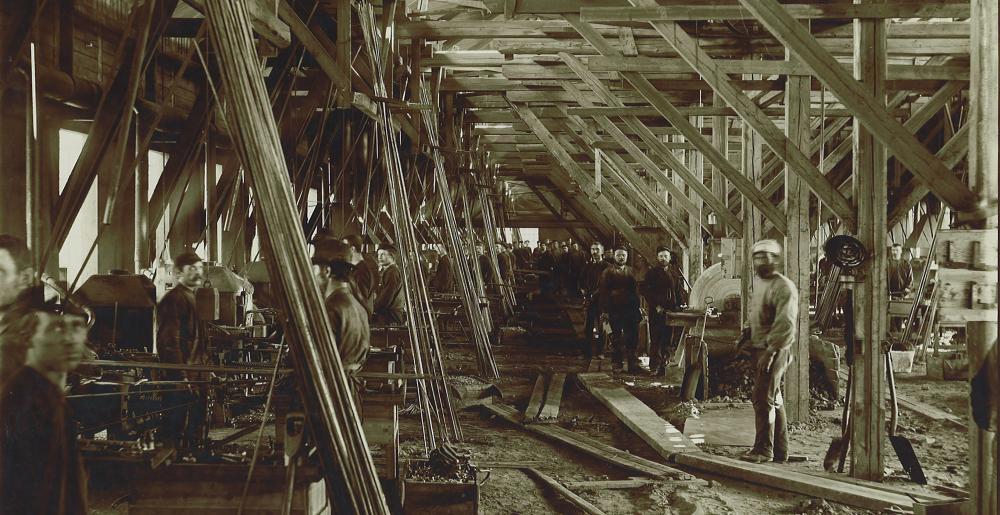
868,403
797,241
753,222
982,335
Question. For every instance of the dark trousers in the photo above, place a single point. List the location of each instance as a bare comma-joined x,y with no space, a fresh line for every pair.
590,340
624,336
769,405
661,341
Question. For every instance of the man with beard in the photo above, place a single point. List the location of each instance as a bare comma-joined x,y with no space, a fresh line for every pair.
773,312
659,287
590,276
390,303
619,293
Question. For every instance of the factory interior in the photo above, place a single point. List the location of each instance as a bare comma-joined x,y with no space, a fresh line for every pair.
499,256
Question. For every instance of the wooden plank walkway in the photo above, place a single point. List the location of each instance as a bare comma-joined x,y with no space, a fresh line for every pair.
805,484
588,446
640,418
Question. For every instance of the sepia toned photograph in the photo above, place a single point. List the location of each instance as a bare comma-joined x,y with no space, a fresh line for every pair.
499,257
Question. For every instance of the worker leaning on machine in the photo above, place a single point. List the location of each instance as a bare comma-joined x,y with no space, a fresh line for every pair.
333,270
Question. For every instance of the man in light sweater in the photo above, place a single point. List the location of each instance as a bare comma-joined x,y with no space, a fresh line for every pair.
773,315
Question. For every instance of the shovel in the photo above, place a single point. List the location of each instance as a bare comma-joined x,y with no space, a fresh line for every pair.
902,446
836,455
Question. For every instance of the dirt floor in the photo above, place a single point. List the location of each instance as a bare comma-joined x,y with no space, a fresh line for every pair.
941,446
551,343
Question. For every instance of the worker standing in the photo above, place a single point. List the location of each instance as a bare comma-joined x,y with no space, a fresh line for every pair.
332,268
591,276
444,278
365,278
619,293
659,289
390,303
774,309
40,466
177,342
899,273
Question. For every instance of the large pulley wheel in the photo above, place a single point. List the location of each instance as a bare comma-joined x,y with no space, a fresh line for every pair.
845,251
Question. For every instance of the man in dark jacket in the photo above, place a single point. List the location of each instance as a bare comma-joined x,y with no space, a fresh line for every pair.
590,276
390,302
659,288
619,293
444,276
40,466
349,320
365,279
564,265
899,273
177,341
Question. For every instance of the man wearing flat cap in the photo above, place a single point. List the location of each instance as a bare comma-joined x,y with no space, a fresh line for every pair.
390,303
332,268
619,295
774,309
177,342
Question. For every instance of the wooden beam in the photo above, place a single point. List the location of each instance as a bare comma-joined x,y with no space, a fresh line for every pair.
265,23
680,122
797,482
799,11
797,253
870,176
553,396
689,50
579,502
555,212
587,445
717,205
14,42
664,438
344,47
659,65
602,204
318,45
869,110
113,116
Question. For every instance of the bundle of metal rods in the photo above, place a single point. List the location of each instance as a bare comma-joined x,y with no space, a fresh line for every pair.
453,240
489,228
351,479
478,281
438,415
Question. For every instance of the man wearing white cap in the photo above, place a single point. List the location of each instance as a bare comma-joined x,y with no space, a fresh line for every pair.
773,314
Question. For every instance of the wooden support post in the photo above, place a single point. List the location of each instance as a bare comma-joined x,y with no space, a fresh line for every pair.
13,162
212,199
344,54
797,240
47,186
983,171
751,114
753,223
720,140
116,244
696,244
868,403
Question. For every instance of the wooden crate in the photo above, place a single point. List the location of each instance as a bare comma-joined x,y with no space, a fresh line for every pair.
439,498
196,489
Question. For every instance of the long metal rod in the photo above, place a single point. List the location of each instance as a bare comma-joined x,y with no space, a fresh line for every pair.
351,479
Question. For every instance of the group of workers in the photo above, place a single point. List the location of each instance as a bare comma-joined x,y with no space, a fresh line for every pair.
41,342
